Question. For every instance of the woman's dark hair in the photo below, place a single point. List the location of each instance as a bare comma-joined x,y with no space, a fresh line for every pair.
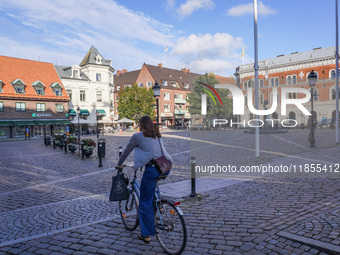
149,128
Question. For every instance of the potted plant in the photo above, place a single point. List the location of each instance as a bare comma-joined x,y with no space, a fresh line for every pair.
88,145
72,143
59,140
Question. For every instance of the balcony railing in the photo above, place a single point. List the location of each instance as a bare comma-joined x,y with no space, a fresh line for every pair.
180,101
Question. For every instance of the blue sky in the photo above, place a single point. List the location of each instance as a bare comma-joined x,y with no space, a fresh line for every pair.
202,35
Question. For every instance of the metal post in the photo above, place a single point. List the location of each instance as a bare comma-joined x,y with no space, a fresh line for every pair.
312,138
336,76
256,68
54,143
78,136
65,144
157,105
120,151
82,150
193,177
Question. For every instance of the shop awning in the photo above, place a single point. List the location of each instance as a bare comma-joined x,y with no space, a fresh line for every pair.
23,122
72,112
44,122
62,122
101,112
84,112
5,123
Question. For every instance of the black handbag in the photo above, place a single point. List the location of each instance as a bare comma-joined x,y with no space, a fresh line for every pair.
119,190
162,163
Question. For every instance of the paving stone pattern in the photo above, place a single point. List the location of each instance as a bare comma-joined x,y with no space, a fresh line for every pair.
55,203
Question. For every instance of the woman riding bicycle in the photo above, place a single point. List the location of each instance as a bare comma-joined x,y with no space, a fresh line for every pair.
147,147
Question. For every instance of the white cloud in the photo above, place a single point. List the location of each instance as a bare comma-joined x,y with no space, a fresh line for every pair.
72,27
190,6
244,9
219,53
170,4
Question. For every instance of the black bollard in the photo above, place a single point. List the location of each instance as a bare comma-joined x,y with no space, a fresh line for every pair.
53,142
193,177
120,151
82,150
65,144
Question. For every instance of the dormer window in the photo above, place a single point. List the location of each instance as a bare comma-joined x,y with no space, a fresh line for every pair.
1,84
98,59
39,87
56,87
19,86
75,74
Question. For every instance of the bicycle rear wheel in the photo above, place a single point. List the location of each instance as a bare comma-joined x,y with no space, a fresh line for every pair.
171,231
128,211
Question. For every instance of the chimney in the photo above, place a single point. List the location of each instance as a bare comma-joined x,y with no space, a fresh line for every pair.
119,72
124,71
184,70
188,70
160,65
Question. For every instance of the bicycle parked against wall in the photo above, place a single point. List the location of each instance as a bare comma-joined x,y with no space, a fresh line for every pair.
171,232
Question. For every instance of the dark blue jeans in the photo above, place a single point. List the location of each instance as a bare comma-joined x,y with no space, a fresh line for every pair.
147,192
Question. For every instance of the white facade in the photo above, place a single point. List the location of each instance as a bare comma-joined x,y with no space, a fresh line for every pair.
90,87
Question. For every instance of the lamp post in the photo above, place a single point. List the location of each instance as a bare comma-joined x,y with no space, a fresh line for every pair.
156,94
266,102
97,124
312,77
78,112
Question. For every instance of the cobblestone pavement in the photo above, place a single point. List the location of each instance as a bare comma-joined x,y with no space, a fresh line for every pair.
55,203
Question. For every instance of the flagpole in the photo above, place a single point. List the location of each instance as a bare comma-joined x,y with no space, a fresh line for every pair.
336,74
256,68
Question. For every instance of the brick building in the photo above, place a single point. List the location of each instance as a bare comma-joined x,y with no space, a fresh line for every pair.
292,71
175,85
32,98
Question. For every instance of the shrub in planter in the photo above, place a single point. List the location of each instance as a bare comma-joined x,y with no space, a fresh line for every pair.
88,145
72,143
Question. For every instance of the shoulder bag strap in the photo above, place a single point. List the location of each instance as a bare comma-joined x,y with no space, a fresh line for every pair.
160,145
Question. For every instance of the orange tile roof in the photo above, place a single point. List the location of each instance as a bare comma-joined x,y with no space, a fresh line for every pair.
29,71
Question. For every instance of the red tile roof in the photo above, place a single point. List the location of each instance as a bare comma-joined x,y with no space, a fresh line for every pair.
29,71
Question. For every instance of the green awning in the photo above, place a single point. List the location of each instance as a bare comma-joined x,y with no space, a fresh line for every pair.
5,123
72,112
101,112
84,112
23,122
44,122
62,122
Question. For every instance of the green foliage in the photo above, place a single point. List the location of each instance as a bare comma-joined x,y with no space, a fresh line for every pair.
213,111
135,102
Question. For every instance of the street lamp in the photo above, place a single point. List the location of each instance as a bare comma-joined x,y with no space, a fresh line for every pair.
312,77
78,112
156,94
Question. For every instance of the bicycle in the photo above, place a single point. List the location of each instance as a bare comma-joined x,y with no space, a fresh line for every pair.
171,232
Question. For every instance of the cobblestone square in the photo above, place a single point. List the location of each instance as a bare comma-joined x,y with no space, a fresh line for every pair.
56,203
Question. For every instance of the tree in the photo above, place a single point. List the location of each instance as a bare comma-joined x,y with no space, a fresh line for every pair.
213,110
135,102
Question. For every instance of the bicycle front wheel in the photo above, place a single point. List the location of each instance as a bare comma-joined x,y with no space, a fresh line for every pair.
171,231
129,211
